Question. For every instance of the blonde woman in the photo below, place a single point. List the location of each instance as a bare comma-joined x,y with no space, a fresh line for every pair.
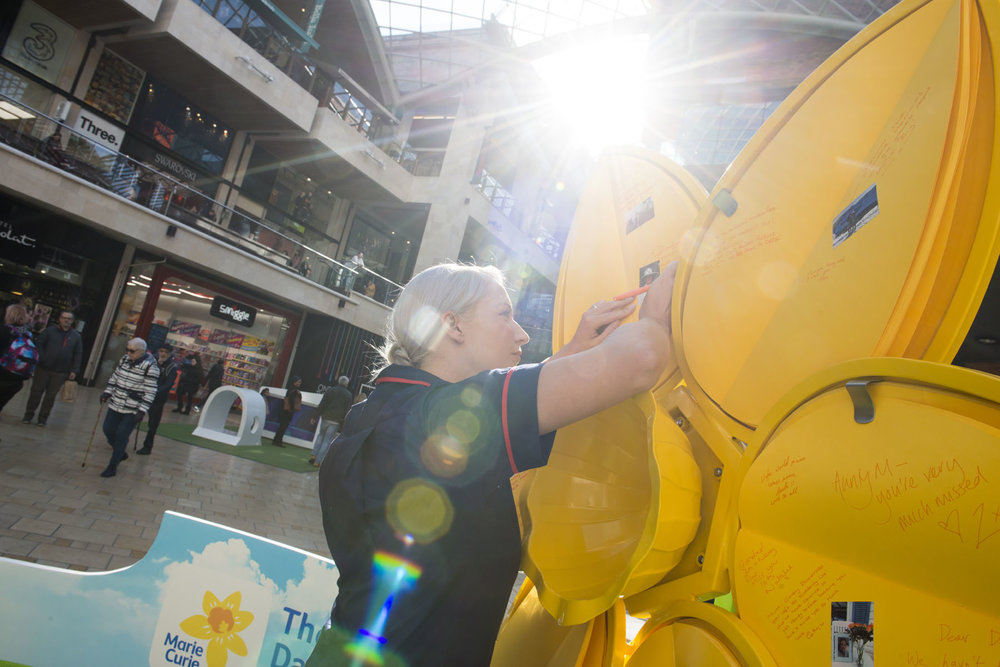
415,492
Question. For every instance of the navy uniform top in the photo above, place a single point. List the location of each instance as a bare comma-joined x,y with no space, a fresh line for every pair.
421,472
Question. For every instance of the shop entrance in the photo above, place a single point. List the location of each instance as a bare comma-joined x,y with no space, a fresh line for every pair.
161,303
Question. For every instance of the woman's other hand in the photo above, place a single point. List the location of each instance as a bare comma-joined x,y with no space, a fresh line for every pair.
596,324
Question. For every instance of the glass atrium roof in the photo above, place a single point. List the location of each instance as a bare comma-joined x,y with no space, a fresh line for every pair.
528,20
426,40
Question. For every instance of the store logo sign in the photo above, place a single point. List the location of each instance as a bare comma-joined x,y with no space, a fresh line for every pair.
39,42
99,130
234,312
174,167
17,243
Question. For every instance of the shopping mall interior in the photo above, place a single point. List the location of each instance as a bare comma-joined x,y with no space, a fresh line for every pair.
162,161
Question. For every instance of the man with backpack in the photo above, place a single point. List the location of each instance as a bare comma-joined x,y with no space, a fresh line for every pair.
19,358
60,350
129,395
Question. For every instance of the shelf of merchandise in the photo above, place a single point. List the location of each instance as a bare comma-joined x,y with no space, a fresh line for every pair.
244,369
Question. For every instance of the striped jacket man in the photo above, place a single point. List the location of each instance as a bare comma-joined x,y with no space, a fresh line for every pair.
132,386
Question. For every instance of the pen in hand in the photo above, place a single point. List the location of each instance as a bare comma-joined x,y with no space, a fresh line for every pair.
632,293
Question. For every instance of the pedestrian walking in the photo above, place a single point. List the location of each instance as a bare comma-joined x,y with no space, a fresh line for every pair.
187,384
60,350
20,357
164,383
291,405
129,396
332,409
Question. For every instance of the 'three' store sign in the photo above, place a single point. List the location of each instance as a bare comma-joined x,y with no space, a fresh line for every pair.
233,311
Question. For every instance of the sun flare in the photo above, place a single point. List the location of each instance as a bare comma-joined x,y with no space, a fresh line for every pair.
597,87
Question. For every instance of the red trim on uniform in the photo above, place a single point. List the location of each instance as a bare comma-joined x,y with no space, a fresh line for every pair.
503,420
402,381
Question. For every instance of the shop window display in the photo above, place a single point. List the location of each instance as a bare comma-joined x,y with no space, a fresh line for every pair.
115,86
181,317
167,119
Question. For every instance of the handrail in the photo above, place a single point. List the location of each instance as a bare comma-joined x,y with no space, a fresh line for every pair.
160,192
500,198
309,73
352,103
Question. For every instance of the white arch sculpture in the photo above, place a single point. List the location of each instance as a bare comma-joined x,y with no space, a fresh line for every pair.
212,422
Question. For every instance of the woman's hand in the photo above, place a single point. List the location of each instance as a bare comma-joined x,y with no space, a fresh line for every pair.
657,303
596,324
633,359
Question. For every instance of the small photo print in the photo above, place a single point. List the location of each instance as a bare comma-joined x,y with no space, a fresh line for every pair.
640,214
852,633
649,273
842,648
858,214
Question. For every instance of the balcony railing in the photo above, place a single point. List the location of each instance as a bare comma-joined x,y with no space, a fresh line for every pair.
333,90
23,128
501,199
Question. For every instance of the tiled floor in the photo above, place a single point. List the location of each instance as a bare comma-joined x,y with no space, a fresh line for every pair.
55,511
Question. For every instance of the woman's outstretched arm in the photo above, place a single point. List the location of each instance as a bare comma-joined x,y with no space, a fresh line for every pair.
631,359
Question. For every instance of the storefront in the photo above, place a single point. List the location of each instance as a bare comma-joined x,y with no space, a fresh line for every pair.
329,348
51,264
252,337
179,140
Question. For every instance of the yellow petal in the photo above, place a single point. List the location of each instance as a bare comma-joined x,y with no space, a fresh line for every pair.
233,601
241,619
197,626
217,655
209,602
237,645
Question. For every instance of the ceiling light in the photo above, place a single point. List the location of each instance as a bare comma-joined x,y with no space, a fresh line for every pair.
14,111
987,340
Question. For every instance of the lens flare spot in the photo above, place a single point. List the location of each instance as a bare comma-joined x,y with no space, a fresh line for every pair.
463,426
425,327
472,397
420,509
404,572
697,246
444,455
777,280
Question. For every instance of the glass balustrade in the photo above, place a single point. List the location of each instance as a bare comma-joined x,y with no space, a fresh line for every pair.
333,94
31,132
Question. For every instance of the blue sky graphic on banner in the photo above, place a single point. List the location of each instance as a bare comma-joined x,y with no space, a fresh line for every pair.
206,593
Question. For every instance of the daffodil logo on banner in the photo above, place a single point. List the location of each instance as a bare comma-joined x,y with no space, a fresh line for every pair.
198,627
220,625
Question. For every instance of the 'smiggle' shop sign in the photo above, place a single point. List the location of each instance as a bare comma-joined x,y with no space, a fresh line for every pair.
233,311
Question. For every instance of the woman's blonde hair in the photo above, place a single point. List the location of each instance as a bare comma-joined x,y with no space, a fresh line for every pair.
415,326
16,314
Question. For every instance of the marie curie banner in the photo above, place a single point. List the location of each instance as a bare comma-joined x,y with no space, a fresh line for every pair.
203,596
